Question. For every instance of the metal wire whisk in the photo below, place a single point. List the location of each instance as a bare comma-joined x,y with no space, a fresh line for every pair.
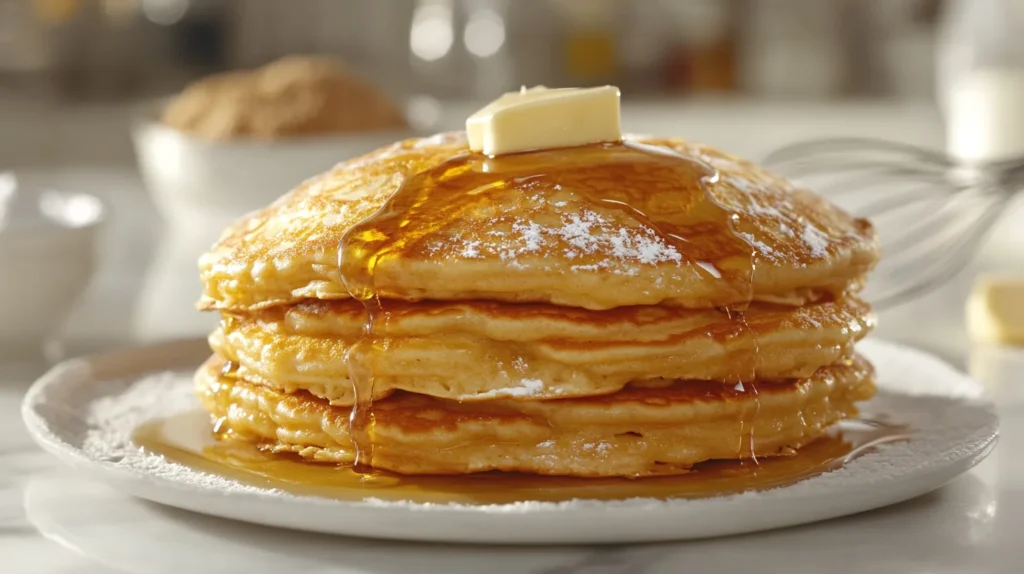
931,211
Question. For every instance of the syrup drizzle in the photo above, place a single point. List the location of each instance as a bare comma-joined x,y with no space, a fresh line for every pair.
187,439
683,214
747,384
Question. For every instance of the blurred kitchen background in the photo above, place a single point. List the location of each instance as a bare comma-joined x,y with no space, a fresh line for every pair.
89,50
746,75
73,54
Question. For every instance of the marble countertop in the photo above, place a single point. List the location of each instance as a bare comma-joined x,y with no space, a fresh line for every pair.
54,522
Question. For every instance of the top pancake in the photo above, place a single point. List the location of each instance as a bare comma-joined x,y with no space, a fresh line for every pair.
649,221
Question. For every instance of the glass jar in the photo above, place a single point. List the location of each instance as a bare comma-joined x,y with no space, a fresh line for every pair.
980,77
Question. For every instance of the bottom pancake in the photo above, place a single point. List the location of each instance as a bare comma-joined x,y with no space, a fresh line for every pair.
643,430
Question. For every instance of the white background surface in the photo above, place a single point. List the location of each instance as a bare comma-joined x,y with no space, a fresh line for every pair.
148,282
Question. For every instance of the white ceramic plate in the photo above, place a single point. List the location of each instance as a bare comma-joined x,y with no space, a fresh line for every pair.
83,410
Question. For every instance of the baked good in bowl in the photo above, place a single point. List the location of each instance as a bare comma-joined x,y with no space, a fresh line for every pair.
295,96
233,142
617,308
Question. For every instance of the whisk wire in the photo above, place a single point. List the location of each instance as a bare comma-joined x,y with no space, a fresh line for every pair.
814,150
948,219
904,199
839,186
941,261
930,245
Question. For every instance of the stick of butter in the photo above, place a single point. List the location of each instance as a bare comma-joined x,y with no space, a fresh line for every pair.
540,118
995,311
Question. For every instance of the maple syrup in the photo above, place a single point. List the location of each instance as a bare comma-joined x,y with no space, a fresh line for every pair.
188,439
678,206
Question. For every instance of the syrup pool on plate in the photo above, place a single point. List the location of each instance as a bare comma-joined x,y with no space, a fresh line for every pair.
188,439
678,206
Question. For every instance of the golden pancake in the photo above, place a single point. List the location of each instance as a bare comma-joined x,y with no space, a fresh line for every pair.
644,222
645,429
482,350
627,308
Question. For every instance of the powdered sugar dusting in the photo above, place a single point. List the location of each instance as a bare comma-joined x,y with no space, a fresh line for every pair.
761,246
764,211
530,235
585,234
640,245
816,240
471,250
600,448
112,419
526,388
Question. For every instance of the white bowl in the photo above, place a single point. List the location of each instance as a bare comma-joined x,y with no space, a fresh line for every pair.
190,178
46,262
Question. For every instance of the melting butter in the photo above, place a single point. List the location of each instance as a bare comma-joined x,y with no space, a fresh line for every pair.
540,118
995,311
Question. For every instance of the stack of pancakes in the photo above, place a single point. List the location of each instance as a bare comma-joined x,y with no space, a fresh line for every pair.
623,309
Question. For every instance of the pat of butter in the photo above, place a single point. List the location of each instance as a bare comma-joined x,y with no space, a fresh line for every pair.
995,311
540,118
